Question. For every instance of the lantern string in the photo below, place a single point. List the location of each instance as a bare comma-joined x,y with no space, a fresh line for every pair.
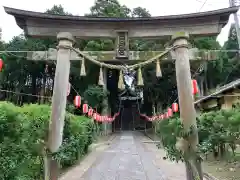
11,53
150,118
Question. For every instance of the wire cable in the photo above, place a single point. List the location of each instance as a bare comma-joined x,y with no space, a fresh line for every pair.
202,5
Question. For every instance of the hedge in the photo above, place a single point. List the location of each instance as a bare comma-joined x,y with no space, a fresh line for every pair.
23,131
219,132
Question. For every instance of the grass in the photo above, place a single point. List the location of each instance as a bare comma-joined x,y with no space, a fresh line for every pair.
224,169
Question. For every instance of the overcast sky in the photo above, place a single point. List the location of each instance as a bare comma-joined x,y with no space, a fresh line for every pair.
155,7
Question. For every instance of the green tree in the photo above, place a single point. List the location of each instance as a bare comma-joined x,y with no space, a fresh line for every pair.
140,12
109,8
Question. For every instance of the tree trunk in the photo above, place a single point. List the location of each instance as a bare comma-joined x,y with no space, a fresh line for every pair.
222,150
42,93
34,89
159,107
233,147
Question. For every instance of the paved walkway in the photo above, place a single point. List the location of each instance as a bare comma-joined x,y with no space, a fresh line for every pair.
128,158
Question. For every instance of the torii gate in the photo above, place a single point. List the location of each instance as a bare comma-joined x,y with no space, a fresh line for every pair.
67,28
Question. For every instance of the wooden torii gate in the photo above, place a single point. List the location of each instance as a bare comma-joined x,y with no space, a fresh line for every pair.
67,28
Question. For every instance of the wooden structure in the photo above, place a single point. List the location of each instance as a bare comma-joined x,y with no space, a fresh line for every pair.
223,98
67,28
40,24
134,56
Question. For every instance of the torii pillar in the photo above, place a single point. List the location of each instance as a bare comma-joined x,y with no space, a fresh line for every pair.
59,100
105,110
189,144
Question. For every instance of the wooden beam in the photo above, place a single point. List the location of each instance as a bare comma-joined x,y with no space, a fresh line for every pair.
51,55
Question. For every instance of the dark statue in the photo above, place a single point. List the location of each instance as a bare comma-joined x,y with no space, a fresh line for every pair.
129,79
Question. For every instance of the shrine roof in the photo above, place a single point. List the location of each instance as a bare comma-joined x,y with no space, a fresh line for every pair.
220,90
45,25
224,13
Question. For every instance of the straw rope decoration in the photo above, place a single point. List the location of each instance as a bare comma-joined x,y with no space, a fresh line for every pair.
137,66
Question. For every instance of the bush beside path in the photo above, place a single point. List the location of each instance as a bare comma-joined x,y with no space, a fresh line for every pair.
23,133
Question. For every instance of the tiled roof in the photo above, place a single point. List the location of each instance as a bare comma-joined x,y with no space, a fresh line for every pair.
219,90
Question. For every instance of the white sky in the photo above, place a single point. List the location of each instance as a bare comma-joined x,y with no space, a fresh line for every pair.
155,7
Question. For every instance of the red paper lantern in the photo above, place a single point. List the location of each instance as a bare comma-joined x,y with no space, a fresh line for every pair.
95,116
77,101
1,64
175,107
90,112
154,118
194,86
170,112
69,89
162,116
85,108
166,114
98,118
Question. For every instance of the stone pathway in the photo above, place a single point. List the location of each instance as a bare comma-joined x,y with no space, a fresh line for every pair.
127,158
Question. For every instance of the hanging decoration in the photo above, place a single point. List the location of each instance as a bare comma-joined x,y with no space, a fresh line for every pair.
194,87
69,89
85,108
100,80
46,69
120,81
104,118
170,112
77,101
140,78
98,118
83,69
1,64
162,116
90,112
175,107
158,69
166,115
95,116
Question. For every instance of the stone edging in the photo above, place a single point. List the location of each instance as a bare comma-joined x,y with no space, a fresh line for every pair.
88,160
209,176
96,145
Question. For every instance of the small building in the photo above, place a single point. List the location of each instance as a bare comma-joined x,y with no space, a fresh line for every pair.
223,98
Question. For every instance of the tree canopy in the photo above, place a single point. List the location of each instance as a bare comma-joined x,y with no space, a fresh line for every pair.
24,76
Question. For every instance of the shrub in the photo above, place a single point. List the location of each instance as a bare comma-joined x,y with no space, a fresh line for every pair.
217,131
169,130
23,133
